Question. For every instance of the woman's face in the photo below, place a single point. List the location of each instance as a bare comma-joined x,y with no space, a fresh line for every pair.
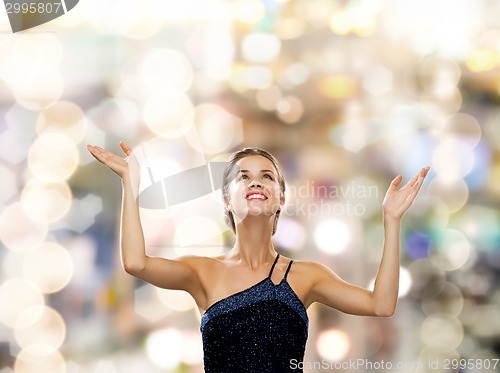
255,189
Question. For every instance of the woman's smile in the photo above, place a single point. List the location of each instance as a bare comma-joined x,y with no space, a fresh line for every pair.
256,196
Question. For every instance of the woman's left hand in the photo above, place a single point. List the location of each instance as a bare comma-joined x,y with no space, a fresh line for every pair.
397,202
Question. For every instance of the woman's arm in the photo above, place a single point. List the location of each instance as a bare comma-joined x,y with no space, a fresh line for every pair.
329,289
178,274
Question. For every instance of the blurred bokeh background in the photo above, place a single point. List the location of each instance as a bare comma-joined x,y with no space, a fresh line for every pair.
346,94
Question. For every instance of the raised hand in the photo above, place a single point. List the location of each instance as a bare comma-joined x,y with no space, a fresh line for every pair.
127,168
397,202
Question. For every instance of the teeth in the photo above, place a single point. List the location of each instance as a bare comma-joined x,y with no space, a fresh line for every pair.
256,196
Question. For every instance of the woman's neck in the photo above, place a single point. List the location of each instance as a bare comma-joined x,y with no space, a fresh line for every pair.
254,245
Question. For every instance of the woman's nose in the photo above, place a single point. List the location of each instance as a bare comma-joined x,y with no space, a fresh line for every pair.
254,183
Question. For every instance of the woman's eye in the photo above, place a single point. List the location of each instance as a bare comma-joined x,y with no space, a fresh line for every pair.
268,176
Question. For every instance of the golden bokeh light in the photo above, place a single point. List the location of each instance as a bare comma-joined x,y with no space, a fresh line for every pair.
248,11
134,19
424,272
438,108
260,47
353,20
295,75
216,130
268,98
332,236
147,304
40,92
18,231
339,86
290,233
442,331
290,28
255,77
378,80
118,117
53,157
9,184
175,300
164,347
168,114
290,109
49,266
207,241
211,49
333,344
453,159
64,118
193,348
39,358
442,297
46,203
438,76
19,294
451,250
464,127
484,321
26,57
191,10
165,69
453,195
40,325
494,179
482,60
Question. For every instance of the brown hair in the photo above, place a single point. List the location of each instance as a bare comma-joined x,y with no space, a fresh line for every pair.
230,173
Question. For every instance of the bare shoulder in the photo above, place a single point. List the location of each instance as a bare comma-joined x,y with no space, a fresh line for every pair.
309,269
197,262
310,278
304,277
206,267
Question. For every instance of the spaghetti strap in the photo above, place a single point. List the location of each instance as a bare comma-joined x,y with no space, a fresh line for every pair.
288,269
272,268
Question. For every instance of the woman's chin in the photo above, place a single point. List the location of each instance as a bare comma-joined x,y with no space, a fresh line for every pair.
256,211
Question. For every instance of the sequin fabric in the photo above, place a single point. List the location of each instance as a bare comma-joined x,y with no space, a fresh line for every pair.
260,329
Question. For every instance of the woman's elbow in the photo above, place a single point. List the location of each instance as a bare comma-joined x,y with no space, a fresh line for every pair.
385,311
133,268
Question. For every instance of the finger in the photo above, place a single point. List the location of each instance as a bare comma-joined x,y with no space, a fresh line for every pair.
419,176
415,188
94,150
126,149
395,183
90,148
411,198
97,151
413,180
102,155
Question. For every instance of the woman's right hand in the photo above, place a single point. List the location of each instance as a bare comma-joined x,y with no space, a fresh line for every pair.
127,168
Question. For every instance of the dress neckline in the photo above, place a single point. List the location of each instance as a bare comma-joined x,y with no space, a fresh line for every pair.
252,286
245,290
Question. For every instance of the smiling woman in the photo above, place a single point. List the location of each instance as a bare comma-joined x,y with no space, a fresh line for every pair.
266,169
254,301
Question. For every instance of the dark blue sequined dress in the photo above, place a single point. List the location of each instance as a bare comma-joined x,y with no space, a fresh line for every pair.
260,329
